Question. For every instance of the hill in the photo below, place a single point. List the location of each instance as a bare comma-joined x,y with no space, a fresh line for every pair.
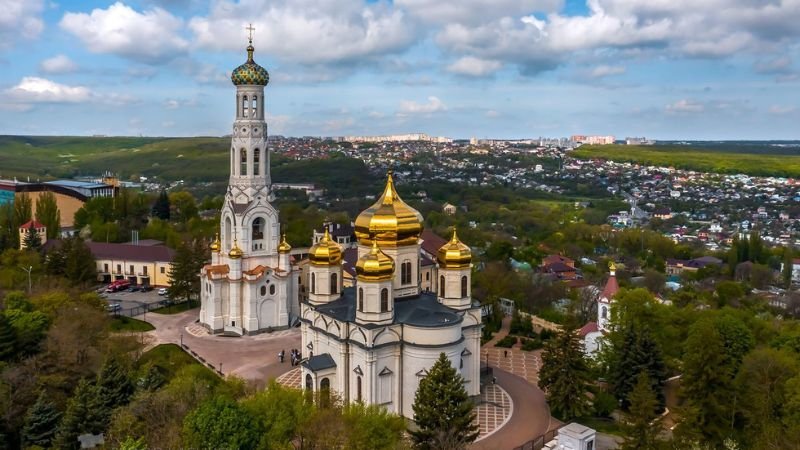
758,161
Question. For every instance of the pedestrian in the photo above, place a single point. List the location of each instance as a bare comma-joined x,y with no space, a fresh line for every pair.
505,353
281,355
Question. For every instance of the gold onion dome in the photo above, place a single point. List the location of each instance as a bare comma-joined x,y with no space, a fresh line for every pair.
390,220
250,72
215,246
235,252
284,246
326,252
455,254
375,265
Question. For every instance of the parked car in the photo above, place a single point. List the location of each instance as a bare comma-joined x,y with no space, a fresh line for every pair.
162,291
146,288
113,307
132,289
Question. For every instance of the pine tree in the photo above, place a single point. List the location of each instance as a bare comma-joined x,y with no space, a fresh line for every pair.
564,375
184,280
114,384
8,339
32,240
23,209
47,214
161,206
85,414
442,409
41,423
79,263
637,353
641,428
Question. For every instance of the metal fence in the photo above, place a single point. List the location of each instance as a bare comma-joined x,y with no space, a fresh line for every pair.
137,310
538,442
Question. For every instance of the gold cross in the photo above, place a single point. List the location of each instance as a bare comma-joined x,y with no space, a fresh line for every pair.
250,29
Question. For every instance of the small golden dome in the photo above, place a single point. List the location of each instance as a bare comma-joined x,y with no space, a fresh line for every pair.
375,265
235,252
326,252
455,254
284,246
215,246
390,220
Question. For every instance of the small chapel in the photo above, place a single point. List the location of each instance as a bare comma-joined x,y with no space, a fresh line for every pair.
593,332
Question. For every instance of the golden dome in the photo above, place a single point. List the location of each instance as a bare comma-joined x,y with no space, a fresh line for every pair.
455,254
284,246
235,252
375,265
326,252
390,220
215,246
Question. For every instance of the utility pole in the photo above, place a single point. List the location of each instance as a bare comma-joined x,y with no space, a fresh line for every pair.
29,270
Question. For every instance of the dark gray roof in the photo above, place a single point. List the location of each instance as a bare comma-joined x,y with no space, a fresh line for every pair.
423,310
319,362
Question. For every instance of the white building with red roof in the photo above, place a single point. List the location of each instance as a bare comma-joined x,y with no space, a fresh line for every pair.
592,332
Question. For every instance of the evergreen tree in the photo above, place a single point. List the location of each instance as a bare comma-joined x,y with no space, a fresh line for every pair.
47,214
32,240
442,409
186,265
9,233
564,375
161,206
23,209
79,263
788,266
641,428
8,339
115,386
41,423
638,353
85,414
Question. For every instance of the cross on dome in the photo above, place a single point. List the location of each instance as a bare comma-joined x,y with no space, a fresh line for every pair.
250,30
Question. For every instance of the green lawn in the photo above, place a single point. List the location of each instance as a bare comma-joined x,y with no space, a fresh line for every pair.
169,357
603,425
701,159
176,308
123,323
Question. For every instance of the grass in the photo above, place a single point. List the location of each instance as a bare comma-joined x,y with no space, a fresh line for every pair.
176,308
123,323
601,424
169,357
717,160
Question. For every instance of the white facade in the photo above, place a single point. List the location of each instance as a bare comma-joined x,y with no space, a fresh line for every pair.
249,286
592,341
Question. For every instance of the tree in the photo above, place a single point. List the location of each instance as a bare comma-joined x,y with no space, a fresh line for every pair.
564,375
372,427
443,408
32,240
23,209
639,353
115,386
761,276
41,422
654,281
220,423
161,206
85,414
29,328
183,206
47,214
641,429
281,413
788,266
185,273
8,339
73,260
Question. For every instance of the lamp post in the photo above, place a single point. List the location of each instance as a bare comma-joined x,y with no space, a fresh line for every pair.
220,367
29,270
181,339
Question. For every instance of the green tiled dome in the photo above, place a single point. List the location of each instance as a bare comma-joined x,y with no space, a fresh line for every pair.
250,72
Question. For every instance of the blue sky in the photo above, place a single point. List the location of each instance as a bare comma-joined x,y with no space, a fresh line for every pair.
665,69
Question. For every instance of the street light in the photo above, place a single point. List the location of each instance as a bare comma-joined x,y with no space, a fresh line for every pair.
181,339
220,367
29,269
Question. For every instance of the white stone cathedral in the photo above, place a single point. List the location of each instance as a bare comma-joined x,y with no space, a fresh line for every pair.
250,285
375,341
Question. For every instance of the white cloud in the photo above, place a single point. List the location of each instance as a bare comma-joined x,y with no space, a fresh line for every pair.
42,90
474,67
409,107
605,71
685,106
20,18
58,64
779,65
474,11
781,110
307,31
492,114
151,36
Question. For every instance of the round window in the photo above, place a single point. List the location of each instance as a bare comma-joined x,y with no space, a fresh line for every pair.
263,290
272,290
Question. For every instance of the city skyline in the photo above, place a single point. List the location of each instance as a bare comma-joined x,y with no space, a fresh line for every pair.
500,69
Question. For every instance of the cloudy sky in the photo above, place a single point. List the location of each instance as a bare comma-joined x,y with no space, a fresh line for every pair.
667,69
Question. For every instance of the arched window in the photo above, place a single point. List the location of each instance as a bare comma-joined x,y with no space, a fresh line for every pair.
233,161
244,106
358,389
228,232
441,286
463,286
256,162
361,299
313,283
334,284
272,290
257,232
384,300
325,391
604,312
405,272
309,382
263,291
254,107
243,163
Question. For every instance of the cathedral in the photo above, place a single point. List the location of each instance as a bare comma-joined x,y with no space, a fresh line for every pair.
250,285
374,341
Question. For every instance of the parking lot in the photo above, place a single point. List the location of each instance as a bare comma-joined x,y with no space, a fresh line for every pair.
128,300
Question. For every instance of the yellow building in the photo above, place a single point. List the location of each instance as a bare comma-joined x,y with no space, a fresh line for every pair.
148,265
37,228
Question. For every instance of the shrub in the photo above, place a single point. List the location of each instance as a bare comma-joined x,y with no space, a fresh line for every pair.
506,342
604,404
530,345
546,334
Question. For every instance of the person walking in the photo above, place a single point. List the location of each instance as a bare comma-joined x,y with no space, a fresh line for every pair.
281,355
